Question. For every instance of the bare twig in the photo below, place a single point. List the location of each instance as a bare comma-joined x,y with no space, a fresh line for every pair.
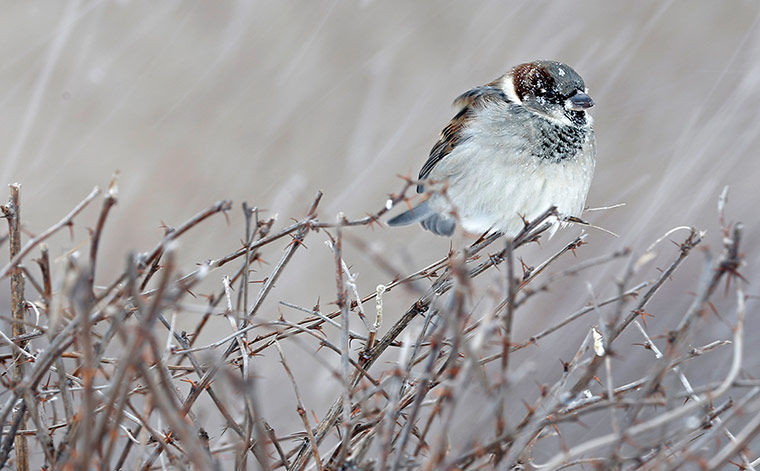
301,412
65,222
12,212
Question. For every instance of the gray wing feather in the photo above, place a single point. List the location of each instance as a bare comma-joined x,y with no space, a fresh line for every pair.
416,214
439,224
452,135
435,223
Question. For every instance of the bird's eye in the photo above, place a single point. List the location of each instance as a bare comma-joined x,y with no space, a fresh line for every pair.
549,94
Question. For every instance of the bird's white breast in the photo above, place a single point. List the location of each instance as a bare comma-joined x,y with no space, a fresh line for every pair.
494,177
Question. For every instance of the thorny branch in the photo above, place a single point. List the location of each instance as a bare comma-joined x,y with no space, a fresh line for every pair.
399,386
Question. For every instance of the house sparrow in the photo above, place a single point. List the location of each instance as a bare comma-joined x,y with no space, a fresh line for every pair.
518,146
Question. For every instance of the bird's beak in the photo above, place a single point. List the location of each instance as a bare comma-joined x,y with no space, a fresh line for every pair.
579,102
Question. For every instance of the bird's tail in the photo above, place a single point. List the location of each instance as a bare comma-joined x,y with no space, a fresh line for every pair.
434,222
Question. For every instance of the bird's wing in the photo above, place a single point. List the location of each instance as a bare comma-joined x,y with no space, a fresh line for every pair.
452,135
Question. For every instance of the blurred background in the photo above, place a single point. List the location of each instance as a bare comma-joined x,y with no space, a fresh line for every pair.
268,102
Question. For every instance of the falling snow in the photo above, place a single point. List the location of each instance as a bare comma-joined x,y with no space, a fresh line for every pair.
270,102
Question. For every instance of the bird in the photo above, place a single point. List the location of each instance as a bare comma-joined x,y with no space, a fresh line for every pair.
516,147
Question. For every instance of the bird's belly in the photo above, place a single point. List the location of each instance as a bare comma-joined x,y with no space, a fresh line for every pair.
500,196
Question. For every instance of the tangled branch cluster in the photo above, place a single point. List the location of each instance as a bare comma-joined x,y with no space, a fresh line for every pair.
66,404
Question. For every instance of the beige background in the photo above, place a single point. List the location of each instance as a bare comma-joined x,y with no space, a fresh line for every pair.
270,101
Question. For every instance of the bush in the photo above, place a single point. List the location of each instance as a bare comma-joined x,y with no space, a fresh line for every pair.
447,401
